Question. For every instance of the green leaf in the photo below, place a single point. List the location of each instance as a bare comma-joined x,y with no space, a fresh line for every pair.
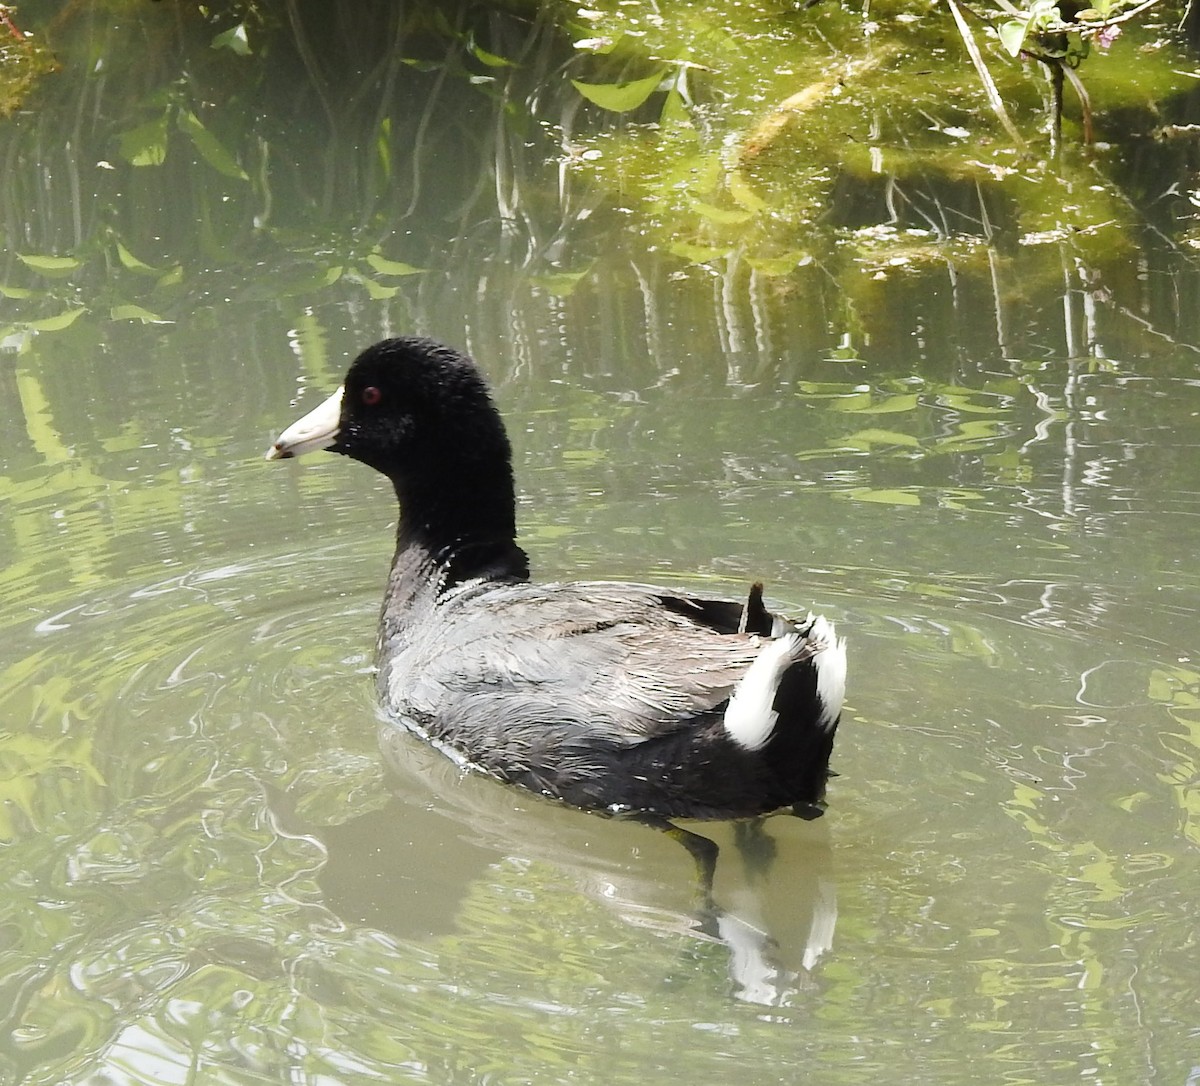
619,97
131,262
210,148
55,267
490,59
145,145
391,267
698,254
969,432
135,313
59,322
318,280
234,39
171,278
867,438
378,291
724,215
1174,686
1012,35
675,113
889,405
779,265
743,192
884,497
17,292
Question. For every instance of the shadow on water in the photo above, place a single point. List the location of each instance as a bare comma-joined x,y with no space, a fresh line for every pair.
378,873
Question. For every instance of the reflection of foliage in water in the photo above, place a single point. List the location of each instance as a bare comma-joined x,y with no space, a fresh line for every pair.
812,153
23,62
1178,690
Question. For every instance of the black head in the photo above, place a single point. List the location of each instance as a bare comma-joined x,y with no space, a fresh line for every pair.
409,405
420,412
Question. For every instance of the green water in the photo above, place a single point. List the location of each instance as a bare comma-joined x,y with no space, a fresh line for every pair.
218,867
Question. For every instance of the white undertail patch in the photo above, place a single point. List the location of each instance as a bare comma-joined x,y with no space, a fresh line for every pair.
750,716
830,663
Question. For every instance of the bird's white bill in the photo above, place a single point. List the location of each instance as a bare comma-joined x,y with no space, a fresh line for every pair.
317,430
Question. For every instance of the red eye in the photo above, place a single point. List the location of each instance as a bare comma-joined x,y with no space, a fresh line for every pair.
371,395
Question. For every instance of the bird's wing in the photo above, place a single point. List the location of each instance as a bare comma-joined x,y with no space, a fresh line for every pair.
618,662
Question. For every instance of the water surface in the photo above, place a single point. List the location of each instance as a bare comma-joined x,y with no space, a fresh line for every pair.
220,868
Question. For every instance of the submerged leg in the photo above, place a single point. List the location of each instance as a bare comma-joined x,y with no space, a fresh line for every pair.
703,851
756,846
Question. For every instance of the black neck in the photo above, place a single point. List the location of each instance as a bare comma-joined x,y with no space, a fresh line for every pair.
462,528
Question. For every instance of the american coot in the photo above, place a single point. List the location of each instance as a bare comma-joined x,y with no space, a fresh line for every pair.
610,696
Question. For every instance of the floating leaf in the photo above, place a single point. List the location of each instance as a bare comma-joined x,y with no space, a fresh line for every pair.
619,97
53,266
1174,686
584,456
145,145
967,641
391,267
742,191
234,39
778,265
867,438
889,405
490,59
724,215
171,278
211,149
697,254
17,292
131,262
136,313
972,432
826,390
316,281
57,323
962,400
955,497
884,497
378,291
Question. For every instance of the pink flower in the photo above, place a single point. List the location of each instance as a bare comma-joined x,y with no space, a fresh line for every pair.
1106,36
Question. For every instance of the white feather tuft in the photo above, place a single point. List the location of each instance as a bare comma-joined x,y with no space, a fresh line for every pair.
830,662
750,716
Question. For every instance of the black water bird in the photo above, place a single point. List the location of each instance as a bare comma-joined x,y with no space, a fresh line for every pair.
611,696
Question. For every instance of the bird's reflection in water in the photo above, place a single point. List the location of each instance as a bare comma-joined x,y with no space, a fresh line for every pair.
406,867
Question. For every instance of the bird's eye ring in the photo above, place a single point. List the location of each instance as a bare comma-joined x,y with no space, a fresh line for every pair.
371,395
